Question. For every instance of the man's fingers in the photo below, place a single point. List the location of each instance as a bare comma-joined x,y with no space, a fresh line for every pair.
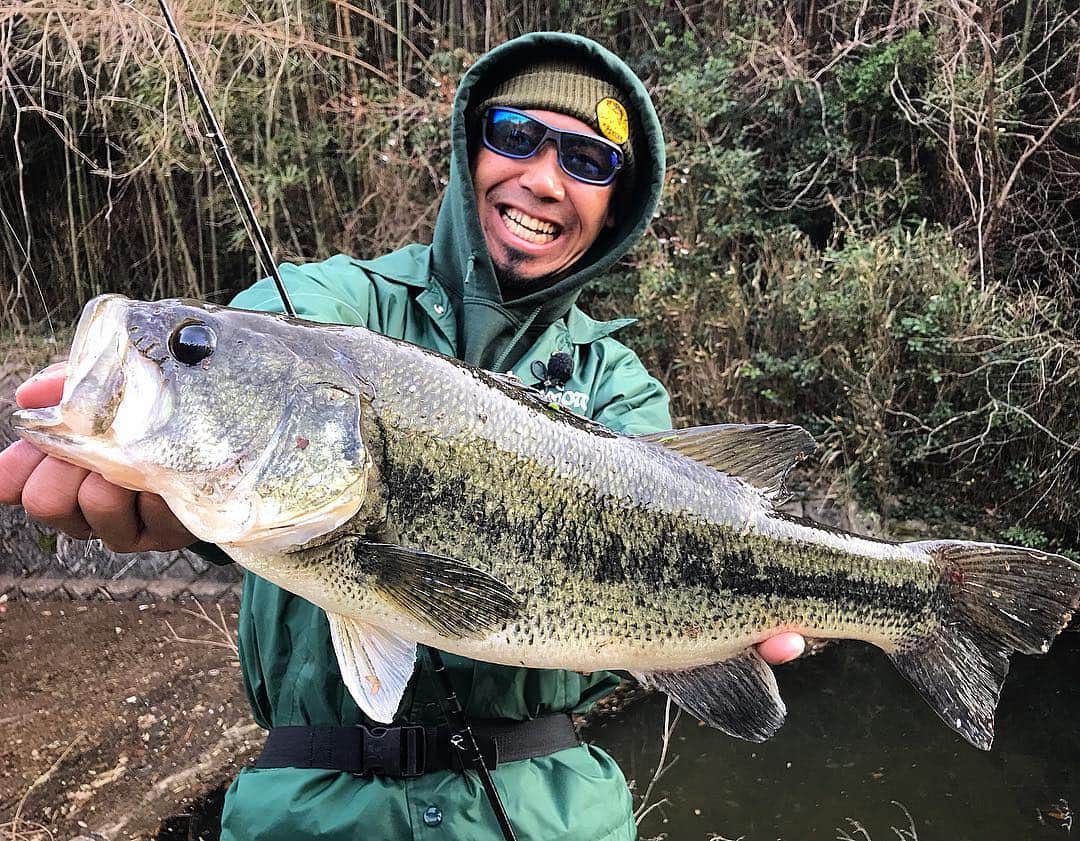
127,521
44,388
51,496
162,531
17,462
782,648
72,499
110,511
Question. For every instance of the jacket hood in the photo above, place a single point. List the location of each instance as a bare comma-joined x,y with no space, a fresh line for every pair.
494,331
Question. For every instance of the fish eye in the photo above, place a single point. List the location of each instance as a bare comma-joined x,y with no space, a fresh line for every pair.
191,343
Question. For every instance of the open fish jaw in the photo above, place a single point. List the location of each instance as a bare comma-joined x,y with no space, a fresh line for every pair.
111,397
232,469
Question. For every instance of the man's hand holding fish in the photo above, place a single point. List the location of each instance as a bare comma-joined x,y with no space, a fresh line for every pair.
78,501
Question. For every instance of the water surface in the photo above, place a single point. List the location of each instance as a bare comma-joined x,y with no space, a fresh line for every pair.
857,738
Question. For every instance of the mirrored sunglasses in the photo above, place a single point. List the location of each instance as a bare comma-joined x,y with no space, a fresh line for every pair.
585,157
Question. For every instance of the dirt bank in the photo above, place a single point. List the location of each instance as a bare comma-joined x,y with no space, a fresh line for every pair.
109,724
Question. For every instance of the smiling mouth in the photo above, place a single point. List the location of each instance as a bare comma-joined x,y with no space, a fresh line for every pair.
527,227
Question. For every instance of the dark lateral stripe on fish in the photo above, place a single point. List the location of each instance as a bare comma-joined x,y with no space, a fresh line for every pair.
737,572
708,566
840,588
609,557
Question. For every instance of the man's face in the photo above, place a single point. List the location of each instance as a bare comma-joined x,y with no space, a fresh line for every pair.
537,220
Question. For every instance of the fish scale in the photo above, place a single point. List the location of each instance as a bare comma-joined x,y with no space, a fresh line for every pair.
457,495
417,499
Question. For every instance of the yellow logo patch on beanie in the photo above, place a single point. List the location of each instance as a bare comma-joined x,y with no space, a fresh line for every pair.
614,123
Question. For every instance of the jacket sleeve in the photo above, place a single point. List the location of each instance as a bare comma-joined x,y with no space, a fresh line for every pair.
335,291
626,397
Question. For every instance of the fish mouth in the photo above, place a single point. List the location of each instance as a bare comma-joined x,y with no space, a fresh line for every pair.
113,396
95,381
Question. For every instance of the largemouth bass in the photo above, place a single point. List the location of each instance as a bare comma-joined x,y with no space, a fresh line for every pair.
419,500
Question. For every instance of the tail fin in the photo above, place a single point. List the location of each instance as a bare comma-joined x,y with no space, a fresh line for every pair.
999,599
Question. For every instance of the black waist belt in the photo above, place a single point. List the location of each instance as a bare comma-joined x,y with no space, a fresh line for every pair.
410,751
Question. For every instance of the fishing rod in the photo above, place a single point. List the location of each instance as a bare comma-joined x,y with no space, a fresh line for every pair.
464,742
462,739
228,165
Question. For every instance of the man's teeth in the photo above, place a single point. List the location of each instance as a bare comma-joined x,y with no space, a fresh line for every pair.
529,228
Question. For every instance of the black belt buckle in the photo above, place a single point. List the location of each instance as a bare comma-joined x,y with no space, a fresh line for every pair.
394,751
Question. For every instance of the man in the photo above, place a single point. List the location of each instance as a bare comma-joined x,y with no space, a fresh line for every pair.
557,166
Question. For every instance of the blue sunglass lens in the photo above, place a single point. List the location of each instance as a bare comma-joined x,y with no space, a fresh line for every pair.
519,136
588,160
514,134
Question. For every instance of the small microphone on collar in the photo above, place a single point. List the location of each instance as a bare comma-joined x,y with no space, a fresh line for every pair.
557,371
560,368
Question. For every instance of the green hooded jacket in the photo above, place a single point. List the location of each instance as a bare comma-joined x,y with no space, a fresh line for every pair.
445,296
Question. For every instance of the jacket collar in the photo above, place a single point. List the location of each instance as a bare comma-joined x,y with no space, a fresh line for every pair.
411,266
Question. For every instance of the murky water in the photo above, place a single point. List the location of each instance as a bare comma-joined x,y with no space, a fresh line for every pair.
858,738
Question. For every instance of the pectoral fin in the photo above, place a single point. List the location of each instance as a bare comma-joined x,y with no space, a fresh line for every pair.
375,665
738,696
457,600
453,598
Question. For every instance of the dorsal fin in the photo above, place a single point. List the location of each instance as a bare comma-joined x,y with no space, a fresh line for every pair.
761,454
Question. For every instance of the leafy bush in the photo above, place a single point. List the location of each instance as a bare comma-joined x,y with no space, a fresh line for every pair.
772,290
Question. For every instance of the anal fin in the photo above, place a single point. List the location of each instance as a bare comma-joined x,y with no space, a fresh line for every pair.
738,696
375,665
